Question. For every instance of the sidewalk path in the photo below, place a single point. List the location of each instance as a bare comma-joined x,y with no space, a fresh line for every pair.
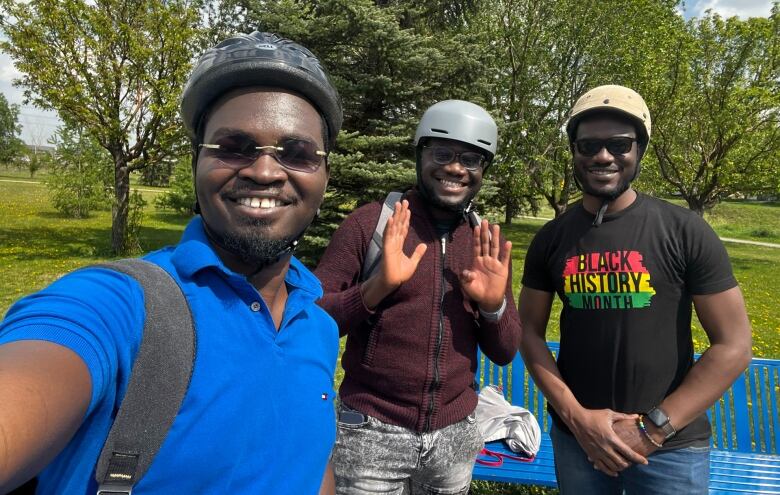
724,239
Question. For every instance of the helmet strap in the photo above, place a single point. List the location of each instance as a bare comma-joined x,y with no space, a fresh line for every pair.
288,250
600,214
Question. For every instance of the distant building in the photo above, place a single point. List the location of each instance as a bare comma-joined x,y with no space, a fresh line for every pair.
40,148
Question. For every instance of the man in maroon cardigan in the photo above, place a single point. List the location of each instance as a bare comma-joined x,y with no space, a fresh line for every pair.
406,417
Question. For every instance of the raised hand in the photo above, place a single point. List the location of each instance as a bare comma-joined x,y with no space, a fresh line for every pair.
395,267
485,282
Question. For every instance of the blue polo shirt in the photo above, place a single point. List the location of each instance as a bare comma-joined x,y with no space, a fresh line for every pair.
258,416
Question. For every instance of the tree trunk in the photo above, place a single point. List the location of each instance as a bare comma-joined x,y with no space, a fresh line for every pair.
695,204
121,205
559,208
509,212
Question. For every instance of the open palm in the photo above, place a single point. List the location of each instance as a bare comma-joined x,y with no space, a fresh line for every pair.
485,282
396,266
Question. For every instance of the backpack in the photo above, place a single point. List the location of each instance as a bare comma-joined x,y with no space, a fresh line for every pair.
160,378
374,251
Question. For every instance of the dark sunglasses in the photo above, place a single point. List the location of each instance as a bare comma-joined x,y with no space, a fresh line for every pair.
442,155
615,145
294,154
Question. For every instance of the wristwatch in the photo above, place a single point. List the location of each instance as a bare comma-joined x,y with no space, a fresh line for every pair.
659,418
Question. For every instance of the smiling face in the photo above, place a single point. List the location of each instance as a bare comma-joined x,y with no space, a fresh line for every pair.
450,187
605,176
253,212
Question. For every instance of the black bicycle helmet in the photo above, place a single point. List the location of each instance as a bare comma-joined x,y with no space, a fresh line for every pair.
259,59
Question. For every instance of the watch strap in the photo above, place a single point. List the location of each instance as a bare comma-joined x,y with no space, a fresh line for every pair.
659,418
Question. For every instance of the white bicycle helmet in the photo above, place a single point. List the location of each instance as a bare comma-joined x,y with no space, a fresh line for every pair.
462,121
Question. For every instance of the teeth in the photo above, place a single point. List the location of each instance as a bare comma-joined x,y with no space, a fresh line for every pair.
450,183
259,202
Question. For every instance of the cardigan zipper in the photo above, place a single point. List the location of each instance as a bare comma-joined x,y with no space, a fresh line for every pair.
439,337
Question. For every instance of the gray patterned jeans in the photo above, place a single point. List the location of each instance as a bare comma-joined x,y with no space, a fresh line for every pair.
374,457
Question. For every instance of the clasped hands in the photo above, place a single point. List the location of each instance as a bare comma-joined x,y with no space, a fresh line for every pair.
484,282
611,440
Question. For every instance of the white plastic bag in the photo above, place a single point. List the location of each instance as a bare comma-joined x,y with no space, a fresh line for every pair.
497,419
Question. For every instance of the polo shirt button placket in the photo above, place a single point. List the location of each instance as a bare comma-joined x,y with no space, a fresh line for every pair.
255,306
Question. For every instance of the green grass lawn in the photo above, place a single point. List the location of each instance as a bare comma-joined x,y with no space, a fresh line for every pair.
37,245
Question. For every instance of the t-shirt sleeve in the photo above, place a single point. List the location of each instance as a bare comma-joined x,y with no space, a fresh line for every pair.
708,269
535,270
96,313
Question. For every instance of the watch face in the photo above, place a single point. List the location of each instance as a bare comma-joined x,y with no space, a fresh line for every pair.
658,417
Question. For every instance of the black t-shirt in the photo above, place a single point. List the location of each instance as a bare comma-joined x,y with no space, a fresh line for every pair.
627,288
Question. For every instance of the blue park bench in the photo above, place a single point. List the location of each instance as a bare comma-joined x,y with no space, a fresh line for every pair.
745,455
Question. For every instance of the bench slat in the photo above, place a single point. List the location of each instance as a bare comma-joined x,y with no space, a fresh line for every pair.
745,423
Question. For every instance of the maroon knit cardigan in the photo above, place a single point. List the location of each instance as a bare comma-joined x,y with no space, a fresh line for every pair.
394,354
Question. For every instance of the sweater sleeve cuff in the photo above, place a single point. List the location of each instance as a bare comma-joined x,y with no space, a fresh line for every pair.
500,339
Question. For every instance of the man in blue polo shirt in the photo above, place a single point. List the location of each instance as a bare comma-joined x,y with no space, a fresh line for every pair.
258,416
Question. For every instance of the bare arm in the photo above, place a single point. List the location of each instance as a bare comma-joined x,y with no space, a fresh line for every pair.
45,390
328,486
592,428
724,318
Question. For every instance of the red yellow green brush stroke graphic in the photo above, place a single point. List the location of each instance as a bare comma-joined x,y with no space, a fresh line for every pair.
607,280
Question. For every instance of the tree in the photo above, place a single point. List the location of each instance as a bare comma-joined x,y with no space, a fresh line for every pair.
80,178
112,67
180,197
389,63
545,55
10,144
717,119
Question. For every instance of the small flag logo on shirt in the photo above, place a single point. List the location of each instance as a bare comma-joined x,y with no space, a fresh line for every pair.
324,396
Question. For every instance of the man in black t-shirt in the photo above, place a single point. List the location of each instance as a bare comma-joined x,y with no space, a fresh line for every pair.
625,395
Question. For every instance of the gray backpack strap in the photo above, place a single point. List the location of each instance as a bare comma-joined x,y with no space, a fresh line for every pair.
160,378
374,253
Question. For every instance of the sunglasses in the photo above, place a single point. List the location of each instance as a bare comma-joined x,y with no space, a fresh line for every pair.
615,145
442,155
294,154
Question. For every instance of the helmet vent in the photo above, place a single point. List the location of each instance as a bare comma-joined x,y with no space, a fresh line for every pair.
488,143
440,131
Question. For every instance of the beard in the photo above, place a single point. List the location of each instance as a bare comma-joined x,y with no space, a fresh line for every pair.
609,195
250,244
435,201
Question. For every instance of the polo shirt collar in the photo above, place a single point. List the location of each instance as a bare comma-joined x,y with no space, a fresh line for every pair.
195,253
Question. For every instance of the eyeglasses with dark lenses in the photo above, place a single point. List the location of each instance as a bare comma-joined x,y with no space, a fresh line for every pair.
442,155
619,145
294,154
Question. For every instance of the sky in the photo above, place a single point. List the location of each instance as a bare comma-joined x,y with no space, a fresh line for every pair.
38,126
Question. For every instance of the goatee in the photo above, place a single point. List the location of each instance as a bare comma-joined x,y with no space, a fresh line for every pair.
251,245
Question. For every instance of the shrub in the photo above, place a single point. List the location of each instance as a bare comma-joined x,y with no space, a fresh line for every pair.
181,195
81,176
